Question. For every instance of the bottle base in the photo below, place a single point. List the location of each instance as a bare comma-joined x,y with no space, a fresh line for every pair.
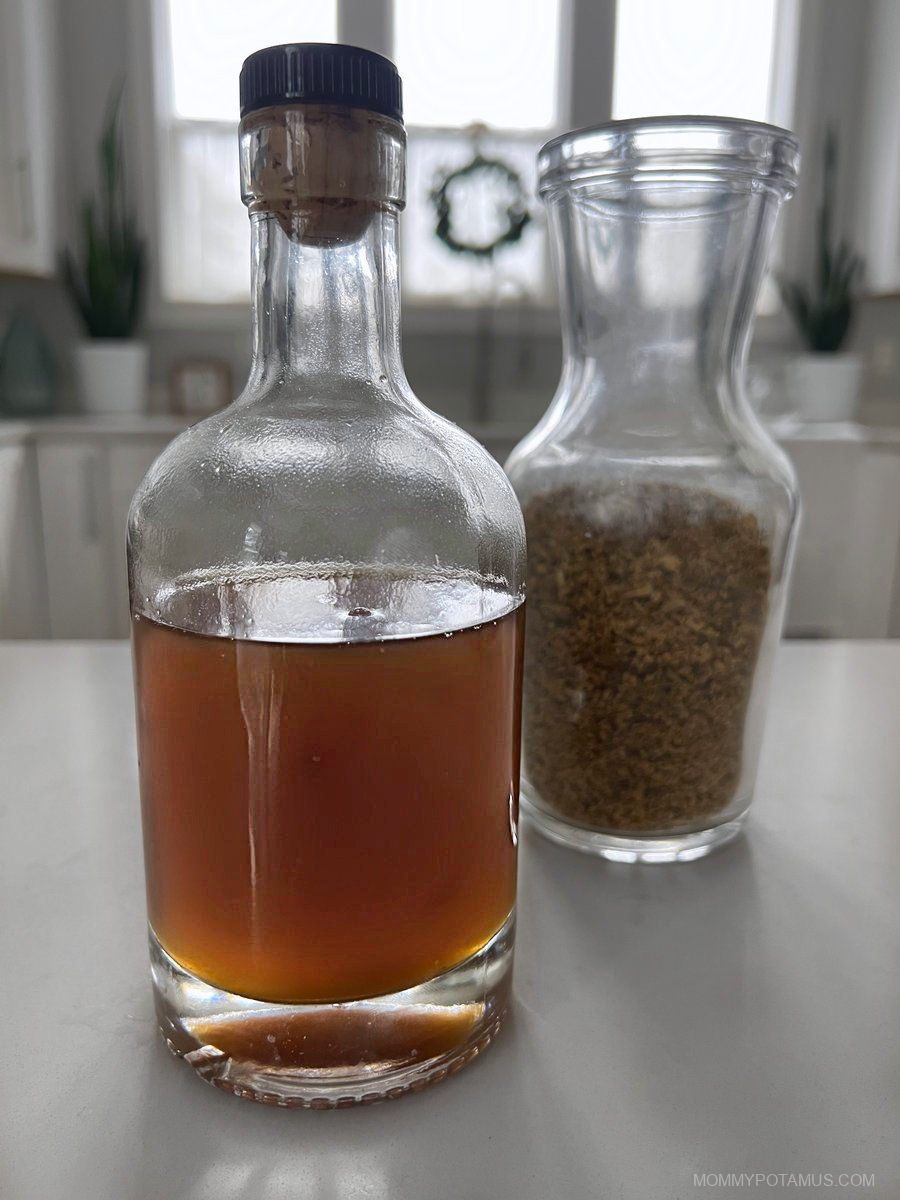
662,848
335,1055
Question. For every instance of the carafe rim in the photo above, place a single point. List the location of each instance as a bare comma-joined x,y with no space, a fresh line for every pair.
669,149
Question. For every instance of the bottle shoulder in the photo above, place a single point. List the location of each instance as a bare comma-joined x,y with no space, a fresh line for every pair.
368,478
286,451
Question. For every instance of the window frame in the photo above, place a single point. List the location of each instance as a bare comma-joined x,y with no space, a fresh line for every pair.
544,305
585,82
359,22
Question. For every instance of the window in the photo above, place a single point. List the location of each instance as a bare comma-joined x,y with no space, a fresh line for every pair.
471,61
733,59
205,85
488,74
496,65
696,56
204,255
464,66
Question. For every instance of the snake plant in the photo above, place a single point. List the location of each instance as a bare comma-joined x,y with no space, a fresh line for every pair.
107,284
823,312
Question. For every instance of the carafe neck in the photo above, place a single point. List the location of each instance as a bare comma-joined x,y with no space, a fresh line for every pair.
658,289
661,229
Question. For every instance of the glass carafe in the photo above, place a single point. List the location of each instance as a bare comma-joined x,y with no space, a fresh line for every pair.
326,587
660,515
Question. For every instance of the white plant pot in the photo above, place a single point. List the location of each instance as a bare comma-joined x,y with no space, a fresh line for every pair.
112,375
824,387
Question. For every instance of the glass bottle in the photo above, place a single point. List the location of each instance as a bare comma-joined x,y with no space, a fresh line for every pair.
660,514
326,587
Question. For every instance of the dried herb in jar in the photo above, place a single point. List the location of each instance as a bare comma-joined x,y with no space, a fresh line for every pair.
646,607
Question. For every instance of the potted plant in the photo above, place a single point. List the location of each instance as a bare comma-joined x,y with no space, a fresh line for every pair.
824,383
107,285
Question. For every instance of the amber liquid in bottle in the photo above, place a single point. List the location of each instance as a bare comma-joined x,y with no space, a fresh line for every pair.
328,821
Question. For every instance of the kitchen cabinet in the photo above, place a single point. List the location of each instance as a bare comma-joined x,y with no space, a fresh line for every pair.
23,599
73,485
86,485
846,580
76,537
66,484
128,463
28,102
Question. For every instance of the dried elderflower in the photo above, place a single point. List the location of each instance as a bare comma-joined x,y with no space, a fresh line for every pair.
646,607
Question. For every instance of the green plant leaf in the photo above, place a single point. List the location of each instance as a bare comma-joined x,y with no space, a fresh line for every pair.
823,313
796,300
74,284
108,288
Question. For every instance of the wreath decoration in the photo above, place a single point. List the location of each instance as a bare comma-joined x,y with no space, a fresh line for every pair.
516,212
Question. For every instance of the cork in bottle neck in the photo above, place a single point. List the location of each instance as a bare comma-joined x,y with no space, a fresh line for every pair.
322,171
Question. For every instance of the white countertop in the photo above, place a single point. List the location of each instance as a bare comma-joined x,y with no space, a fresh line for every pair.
737,1014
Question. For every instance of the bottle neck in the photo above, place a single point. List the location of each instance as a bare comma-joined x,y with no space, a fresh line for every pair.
325,309
324,184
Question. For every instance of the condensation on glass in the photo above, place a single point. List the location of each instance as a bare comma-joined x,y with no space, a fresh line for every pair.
326,584
660,514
